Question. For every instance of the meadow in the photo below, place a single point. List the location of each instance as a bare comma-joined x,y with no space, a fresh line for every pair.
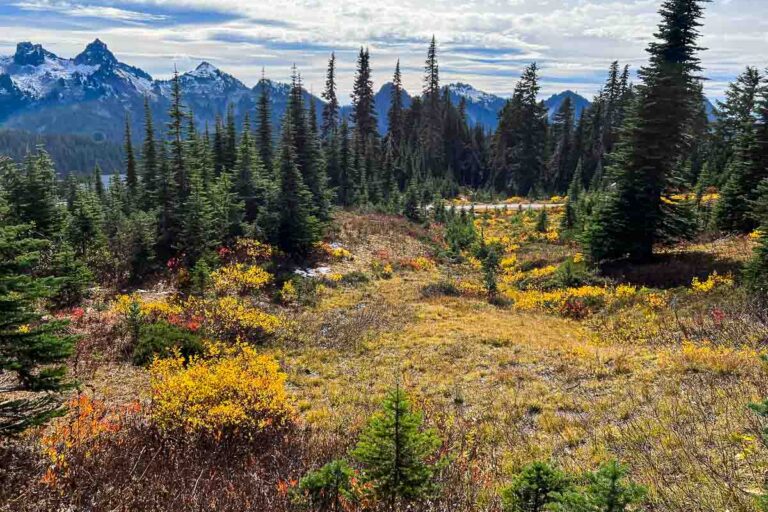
564,366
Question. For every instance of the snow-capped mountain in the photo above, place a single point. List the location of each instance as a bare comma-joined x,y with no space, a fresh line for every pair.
92,93
481,107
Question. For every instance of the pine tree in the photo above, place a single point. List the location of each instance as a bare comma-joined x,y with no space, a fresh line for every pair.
230,140
627,220
345,183
96,182
297,228
331,107
395,452
149,160
176,115
395,114
363,102
197,236
131,173
432,114
737,122
249,175
534,489
518,145
307,151
33,350
84,226
227,210
31,194
561,163
264,138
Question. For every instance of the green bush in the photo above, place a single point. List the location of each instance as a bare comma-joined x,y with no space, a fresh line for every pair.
328,488
441,288
161,339
534,488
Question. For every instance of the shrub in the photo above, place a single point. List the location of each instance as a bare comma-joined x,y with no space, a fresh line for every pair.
534,488
231,390
239,279
607,491
394,451
354,278
163,339
329,488
441,288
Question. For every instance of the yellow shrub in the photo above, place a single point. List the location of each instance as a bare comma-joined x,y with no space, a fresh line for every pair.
705,357
158,308
232,317
230,390
288,293
239,279
248,249
713,281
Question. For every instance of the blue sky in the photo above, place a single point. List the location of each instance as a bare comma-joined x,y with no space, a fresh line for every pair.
482,42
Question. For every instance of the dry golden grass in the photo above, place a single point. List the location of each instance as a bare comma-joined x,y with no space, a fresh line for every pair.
507,387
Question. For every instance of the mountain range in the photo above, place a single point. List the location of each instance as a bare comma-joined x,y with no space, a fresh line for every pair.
90,95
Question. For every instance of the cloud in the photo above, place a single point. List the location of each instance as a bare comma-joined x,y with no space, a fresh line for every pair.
483,42
88,11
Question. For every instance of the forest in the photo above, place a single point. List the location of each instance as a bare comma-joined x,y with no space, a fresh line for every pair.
563,315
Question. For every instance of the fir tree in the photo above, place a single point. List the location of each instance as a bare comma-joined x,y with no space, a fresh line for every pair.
395,114
264,138
149,160
395,452
230,140
628,219
31,194
431,124
131,172
518,145
249,175
331,107
297,228
534,489
561,163
33,350
176,138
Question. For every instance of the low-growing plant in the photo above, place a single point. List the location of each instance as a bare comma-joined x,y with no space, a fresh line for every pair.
328,489
228,391
161,339
396,453
534,489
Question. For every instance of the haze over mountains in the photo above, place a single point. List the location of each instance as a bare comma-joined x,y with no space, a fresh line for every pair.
91,93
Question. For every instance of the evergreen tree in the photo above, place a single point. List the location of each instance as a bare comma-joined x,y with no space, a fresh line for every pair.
432,115
307,151
149,160
131,172
328,489
627,220
607,491
331,107
534,489
395,452
197,236
519,142
264,138
33,350
31,194
363,103
249,175
176,139
297,228
561,163
395,114
84,227
230,140
227,210
737,121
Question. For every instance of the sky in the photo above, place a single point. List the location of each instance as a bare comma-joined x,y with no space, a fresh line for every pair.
485,43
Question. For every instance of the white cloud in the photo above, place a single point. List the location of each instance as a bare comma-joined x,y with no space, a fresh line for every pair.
483,42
